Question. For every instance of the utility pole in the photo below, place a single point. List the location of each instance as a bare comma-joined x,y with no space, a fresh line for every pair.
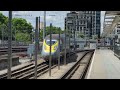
15,37
2,36
44,25
59,51
39,34
74,35
9,44
65,47
50,57
69,33
36,46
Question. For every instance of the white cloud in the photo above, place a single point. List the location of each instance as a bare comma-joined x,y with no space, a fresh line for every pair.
58,19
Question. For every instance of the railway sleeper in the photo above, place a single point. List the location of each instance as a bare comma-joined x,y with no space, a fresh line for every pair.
26,72
32,73
4,76
41,73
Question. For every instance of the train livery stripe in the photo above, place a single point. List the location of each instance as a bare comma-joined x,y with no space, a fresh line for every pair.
47,47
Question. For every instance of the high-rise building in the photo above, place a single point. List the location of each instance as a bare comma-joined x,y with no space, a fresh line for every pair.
41,25
85,22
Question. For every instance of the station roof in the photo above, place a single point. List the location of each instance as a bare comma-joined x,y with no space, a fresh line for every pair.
112,13
111,18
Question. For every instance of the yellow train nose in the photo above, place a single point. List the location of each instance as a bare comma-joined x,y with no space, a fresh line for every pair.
47,49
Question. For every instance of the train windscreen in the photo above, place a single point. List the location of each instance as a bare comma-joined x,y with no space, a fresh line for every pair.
52,42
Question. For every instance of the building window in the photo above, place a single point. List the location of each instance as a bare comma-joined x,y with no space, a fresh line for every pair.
81,22
86,32
80,28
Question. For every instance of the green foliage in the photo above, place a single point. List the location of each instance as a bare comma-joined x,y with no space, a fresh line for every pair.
22,28
55,30
3,19
3,23
24,37
21,25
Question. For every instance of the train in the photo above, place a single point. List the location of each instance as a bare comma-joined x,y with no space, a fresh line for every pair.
54,46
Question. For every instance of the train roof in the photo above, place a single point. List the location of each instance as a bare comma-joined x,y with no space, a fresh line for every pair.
54,36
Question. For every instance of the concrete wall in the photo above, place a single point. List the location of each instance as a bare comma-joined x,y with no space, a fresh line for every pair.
4,62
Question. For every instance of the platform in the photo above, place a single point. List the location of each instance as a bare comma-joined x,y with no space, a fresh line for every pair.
104,65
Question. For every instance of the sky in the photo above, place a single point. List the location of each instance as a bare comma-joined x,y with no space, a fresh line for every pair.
54,17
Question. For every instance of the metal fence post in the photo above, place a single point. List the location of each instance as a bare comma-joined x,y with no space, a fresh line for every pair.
74,36
44,25
50,58
69,42
65,49
36,46
59,52
39,34
15,37
9,45
2,36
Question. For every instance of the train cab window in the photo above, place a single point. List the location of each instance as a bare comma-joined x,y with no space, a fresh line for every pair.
52,42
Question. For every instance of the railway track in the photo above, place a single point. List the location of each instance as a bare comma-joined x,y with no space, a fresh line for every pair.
4,51
79,69
27,72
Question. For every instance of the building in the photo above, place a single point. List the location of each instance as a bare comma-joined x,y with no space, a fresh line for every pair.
85,22
116,31
41,25
70,21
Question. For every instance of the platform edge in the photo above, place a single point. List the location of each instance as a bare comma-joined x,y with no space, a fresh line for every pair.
91,65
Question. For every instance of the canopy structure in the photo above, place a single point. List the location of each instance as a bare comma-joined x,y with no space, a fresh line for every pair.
111,19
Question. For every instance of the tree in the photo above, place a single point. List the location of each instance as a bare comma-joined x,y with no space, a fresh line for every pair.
19,25
3,19
55,30
23,37
3,23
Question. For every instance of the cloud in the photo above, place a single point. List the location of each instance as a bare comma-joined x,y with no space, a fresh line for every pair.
58,19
